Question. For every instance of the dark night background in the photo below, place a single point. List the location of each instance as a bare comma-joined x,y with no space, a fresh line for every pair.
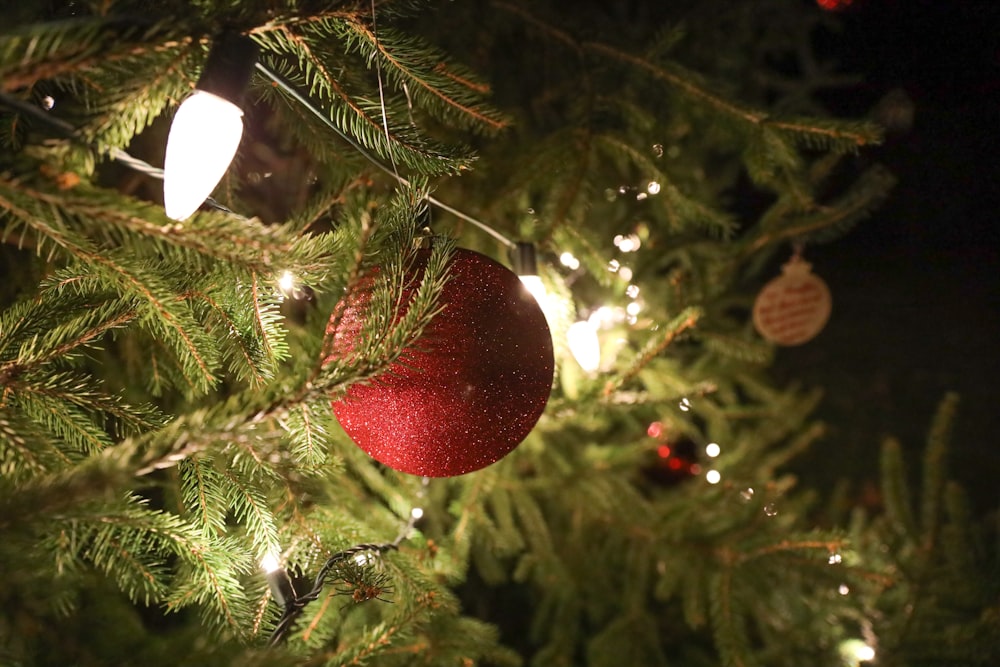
915,288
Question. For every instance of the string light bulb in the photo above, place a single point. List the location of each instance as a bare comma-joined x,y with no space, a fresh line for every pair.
208,127
277,578
584,345
524,261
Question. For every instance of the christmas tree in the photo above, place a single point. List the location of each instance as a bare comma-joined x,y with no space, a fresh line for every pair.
253,433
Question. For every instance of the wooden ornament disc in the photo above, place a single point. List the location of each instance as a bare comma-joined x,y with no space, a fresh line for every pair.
794,307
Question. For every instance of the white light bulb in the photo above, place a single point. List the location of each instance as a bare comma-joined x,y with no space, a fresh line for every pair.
416,513
286,282
569,261
712,450
269,563
713,476
584,345
535,286
203,139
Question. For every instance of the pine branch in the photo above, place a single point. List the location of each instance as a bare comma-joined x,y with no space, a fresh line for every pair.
825,222
839,137
441,84
682,211
654,348
728,626
54,50
352,114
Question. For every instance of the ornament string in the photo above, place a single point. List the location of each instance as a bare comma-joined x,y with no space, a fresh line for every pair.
381,97
136,164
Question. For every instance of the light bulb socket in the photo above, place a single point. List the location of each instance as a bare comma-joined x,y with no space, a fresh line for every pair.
281,586
229,67
524,259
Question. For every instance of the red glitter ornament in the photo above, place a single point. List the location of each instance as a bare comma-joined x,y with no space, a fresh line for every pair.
473,387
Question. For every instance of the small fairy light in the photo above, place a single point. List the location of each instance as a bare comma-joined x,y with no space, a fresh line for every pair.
746,495
653,187
363,558
684,405
713,476
286,283
865,653
417,513
632,291
641,196
835,559
712,450
568,260
625,273
655,429
614,265
856,651
48,102
607,316
633,308
843,589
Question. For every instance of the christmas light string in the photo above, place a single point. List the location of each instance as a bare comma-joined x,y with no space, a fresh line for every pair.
582,337
139,165
207,128
311,108
381,96
351,565
116,154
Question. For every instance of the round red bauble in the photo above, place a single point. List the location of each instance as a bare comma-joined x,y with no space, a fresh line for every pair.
472,388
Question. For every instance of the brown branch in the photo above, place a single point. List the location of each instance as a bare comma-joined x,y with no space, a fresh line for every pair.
35,72
232,327
652,352
427,86
747,114
548,28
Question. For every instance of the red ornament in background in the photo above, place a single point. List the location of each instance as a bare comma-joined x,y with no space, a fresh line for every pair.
834,5
674,460
472,388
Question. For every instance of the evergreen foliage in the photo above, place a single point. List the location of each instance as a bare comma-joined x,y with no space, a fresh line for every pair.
165,417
